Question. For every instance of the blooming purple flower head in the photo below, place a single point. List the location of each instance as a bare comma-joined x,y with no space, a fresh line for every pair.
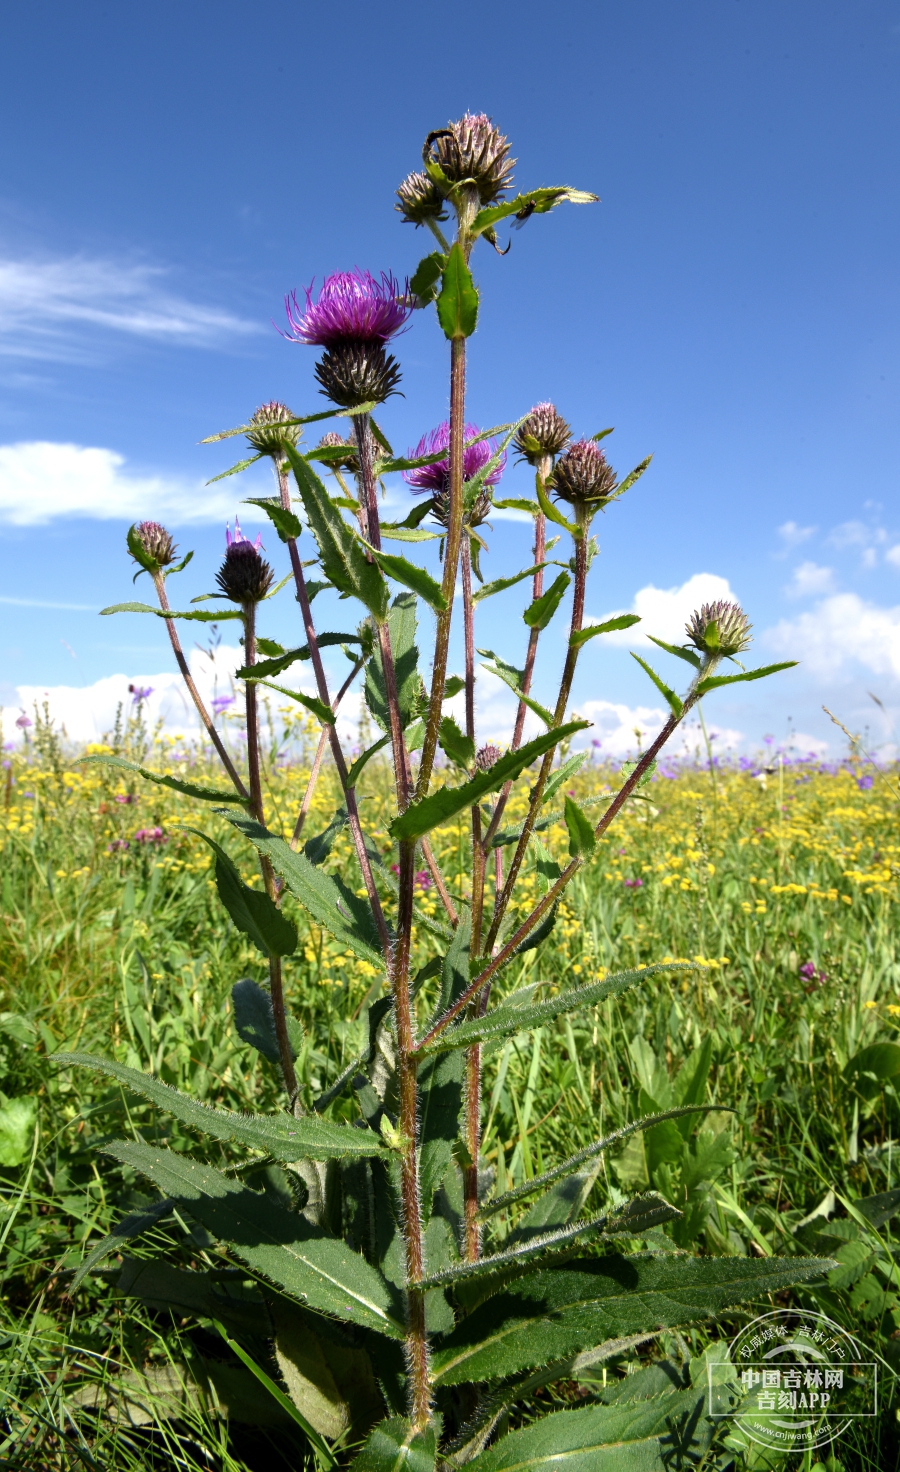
232,541
350,305
23,722
222,702
633,883
435,477
150,835
865,782
140,692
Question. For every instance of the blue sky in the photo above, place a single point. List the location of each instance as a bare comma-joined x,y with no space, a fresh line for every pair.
732,305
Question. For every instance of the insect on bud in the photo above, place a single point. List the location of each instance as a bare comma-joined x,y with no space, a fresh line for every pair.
487,757
473,149
583,477
719,628
544,432
151,545
269,434
244,576
420,200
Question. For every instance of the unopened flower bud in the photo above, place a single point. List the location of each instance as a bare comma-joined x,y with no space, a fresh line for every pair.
420,200
269,434
487,757
719,628
151,545
544,432
244,576
357,372
583,477
473,514
350,461
473,149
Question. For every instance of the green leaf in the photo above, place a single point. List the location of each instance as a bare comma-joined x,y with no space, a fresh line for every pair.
635,1437
551,512
457,305
235,469
227,434
426,276
501,584
511,1017
396,532
17,1121
131,1226
264,669
453,685
286,524
189,789
138,552
394,1446
512,677
554,1312
563,774
581,831
455,744
440,806
712,682
355,771
198,615
402,631
343,560
324,1454
536,202
669,696
689,655
624,621
631,477
322,712
602,433
254,1020
627,768
279,1135
252,911
329,901
541,611
278,1244
411,576
330,1379
517,503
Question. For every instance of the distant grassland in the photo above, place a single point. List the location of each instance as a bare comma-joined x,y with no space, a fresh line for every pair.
779,888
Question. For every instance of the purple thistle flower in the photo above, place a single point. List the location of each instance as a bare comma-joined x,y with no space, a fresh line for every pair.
23,721
150,835
350,305
117,845
633,883
232,541
435,477
222,702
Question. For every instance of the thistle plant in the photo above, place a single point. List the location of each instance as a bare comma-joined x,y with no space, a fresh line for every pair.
402,1300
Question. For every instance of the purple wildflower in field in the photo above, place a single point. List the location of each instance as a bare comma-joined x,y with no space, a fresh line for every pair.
351,305
423,879
140,692
23,721
865,782
431,478
222,702
633,883
125,797
811,973
150,835
118,845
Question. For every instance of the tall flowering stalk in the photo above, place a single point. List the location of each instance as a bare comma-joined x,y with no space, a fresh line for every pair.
420,1268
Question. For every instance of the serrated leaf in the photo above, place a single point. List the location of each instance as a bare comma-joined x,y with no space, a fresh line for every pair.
536,202
499,585
322,712
671,699
227,434
631,477
254,1020
511,677
638,1437
189,789
624,621
517,503
411,576
424,280
285,522
453,685
551,512
329,901
397,532
438,807
556,1311
457,305
563,774
455,744
688,655
580,830
278,1244
198,615
712,682
254,913
131,1226
395,1446
402,626
139,552
343,560
264,669
235,469
511,1018
279,1135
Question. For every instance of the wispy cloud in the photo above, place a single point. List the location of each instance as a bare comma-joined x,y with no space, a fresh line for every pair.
841,631
43,603
792,535
49,305
810,581
41,480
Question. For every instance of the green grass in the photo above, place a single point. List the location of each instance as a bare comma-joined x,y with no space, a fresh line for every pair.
126,953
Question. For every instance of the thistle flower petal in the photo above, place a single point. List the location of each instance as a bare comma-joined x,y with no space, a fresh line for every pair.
351,305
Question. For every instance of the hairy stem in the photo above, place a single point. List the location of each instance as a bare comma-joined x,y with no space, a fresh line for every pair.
317,760
203,713
472,1133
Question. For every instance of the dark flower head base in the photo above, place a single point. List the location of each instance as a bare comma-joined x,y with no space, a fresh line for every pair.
244,576
352,373
351,307
719,628
472,148
156,542
583,477
436,477
268,435
544,432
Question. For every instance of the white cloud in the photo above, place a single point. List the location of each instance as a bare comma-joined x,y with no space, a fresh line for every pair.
841,630
810,580
664,611
47,304
792,535
41,480
892,555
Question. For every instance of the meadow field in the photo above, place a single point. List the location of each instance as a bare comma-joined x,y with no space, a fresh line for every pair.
774,880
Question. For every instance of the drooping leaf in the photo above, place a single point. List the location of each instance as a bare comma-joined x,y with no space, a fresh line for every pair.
455,744
329,1379
712,682
552,512
199,615
690,656
131,1226
395,1446
255,1020
536,202
424,280
499,585
517,503
624,621
177,784
344,561
557,1311
581,831
285,522
411,576
330,902
511,1018
671,699
252,911
512,677
355,771
457,305
322,712
438,807
402,627
279,1135
540,612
